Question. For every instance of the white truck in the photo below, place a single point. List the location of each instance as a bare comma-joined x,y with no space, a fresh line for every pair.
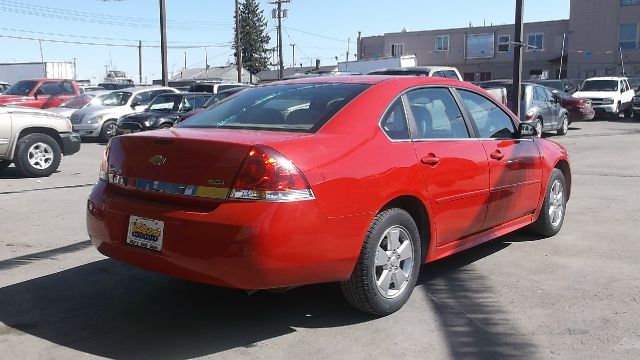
368,65
14,72
34,140
608,95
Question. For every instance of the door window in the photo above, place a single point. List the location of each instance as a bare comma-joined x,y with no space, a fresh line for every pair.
394,122
538,94
50,88
435,115
489,118
439,74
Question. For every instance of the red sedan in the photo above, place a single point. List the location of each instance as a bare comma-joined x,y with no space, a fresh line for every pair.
579,109
357,180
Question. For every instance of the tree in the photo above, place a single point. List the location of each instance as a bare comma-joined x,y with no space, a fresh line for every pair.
253,37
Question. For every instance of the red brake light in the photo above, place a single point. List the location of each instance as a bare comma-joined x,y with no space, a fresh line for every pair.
529,115
265,174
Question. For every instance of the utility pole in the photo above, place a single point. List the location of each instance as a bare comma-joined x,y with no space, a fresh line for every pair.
564,40
293,55
279,15
75,71
359,45
140,60
206,63
163,43
238,44
185,60
41,53
517,58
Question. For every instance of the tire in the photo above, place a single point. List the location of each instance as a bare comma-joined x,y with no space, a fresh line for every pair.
539,126
165,126
376,264
551,216
4,164
636,116
628,113
37,155
564,126
109,129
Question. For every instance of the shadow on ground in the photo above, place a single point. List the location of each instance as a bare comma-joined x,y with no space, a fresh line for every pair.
112,310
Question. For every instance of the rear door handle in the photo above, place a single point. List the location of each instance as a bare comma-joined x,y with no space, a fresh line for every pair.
430,160
497,155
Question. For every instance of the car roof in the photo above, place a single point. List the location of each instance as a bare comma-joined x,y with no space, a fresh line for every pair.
143,88
606,78
376,79
194,93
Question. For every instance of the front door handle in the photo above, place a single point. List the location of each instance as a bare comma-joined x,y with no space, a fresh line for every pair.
431,160
497,155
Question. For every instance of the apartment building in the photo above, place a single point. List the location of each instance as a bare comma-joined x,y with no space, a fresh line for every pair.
585,45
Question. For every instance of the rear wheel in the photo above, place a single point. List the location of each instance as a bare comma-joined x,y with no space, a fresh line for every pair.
388,267
564,125
165,126
538,126
628,113
552,213
37,155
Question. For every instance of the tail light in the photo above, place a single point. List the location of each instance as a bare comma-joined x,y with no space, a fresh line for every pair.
104,165
581,104
529,115
265,174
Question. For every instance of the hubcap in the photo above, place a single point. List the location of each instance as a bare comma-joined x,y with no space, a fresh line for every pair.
394,262
40,156
556,203
111,130
565,125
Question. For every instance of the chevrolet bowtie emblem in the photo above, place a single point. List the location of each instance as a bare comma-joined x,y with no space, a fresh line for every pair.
157,160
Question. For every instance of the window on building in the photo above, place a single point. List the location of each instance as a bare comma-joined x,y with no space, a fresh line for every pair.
397,49
479,46
469,76
628,36
535,42
504,43
629,2
442,43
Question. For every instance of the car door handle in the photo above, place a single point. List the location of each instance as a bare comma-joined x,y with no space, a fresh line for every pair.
497,155
430,160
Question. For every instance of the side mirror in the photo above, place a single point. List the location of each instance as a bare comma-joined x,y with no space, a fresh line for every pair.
526,130
37,93
186,109
134,104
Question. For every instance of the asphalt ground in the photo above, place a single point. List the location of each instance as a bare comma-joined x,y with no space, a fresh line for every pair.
572,296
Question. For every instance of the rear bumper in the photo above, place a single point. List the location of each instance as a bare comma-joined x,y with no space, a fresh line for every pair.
241,244
582,114
70,143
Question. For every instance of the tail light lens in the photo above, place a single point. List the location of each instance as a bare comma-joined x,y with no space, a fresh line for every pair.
104,165
265,174
529,115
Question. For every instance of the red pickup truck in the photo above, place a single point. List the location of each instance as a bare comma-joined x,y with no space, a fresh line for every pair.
40,93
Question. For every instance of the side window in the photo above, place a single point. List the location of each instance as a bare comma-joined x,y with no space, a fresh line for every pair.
144,98
156,93
50,88
451,74
538,94
490,119
394,122
66,88
439,74
435,115
549,94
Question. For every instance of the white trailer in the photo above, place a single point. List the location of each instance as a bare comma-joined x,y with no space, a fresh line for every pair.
13,72
364,66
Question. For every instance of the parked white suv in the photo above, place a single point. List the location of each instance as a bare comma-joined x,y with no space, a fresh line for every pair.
608,95
100,121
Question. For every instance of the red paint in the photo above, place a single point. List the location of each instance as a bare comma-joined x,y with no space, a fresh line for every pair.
41,101
353,169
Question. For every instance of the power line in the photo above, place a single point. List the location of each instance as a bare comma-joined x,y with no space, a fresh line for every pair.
103,44
319,36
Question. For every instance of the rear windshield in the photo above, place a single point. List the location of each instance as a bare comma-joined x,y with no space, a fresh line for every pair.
600,85
290,107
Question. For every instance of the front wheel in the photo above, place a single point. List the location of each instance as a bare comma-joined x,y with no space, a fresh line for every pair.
616,114
109,129
564,126
551,216
388,267
37,155
538,127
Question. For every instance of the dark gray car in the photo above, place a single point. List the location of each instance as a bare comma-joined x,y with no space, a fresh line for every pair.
538,106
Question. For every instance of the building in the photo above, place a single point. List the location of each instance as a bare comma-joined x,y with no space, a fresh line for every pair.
585,45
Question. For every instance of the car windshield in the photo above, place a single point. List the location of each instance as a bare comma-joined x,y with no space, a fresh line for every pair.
116,98
166,102
600,85
288,107
77,102
23,88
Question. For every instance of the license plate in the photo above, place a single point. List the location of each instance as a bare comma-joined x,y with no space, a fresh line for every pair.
126,131
145,233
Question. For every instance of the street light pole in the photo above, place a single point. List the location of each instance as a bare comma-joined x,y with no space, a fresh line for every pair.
517,58
238,45
163,42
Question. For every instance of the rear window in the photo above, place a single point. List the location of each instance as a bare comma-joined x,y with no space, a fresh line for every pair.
290,107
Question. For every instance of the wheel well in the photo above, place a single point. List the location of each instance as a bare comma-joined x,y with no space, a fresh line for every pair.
42,130
415,207
563,165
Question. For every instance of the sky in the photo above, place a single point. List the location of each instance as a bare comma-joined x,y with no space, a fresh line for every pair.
320,29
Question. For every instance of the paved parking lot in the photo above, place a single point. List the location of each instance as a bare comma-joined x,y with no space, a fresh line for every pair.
572,296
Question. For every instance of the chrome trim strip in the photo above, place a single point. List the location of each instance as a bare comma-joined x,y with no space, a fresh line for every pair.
4,141
130,183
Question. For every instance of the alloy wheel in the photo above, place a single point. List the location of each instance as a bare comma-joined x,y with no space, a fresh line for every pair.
394,262
40,155
556,203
